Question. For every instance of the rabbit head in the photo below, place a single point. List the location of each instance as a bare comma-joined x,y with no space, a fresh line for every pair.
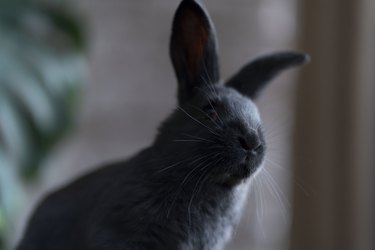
216,127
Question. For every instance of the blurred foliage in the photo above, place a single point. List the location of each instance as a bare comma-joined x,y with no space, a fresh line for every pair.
41,71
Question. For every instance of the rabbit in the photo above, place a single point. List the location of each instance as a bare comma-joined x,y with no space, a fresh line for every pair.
185,191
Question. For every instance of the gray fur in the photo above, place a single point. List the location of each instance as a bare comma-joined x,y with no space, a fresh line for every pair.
183,192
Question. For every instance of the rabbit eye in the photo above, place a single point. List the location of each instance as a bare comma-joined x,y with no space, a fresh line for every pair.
210,106
210,110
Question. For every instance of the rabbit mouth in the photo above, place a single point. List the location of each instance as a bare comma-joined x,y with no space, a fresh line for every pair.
239,173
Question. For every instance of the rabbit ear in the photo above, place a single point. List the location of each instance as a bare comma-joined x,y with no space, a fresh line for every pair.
193,49
256,74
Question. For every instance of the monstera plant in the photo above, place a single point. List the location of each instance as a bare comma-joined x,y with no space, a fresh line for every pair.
41,71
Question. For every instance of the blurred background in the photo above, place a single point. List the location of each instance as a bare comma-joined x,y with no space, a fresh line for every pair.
87,82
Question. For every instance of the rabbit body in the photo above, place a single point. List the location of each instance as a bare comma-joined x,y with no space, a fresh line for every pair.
172,195
185,191
112,209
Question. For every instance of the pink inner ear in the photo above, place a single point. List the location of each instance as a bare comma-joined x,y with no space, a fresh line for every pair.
194,39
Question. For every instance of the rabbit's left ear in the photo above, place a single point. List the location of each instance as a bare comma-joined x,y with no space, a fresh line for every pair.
193,49
251,79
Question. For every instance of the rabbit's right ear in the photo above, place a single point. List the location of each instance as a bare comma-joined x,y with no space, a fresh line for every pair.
193,49
252,78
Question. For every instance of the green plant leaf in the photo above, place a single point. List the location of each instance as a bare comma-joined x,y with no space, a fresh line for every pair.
42,67
41,70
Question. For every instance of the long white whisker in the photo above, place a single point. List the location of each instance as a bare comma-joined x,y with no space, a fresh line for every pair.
184,140
210,88
217,114
199,138
211,119
194,159
303,186
174,164
202,177
276,191
209,78
209,129
212,106
186,178
259,206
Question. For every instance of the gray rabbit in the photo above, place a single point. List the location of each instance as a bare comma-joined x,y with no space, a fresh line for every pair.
187,189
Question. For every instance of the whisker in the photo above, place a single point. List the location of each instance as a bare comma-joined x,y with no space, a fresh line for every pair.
307,191
209,129
273,163
212,120
259,205
200,158
174,165
182,140
209,101
186,178
209,78
209,86
203,177
217,114
194,158
196,137
276,191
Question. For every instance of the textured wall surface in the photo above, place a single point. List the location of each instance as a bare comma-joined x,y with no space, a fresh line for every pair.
132,88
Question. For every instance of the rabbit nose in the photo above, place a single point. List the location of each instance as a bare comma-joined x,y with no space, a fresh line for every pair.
251,144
